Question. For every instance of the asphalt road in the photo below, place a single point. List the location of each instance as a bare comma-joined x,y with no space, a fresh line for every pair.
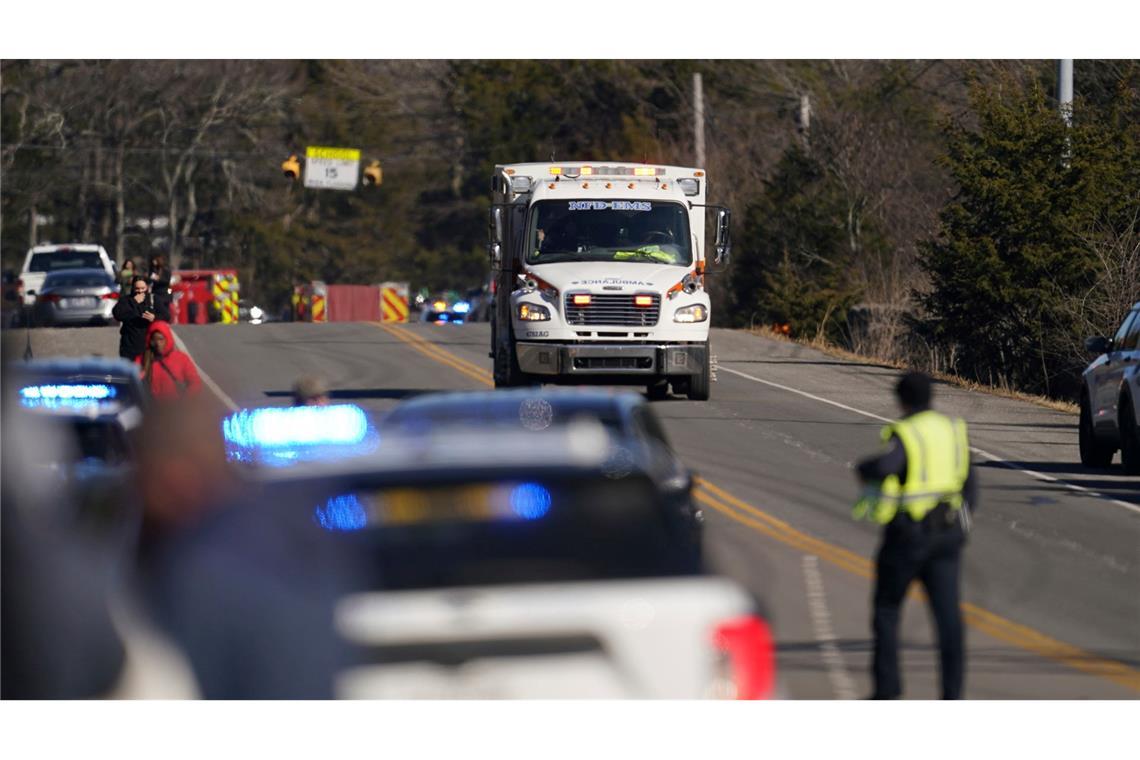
1052,570
1051,573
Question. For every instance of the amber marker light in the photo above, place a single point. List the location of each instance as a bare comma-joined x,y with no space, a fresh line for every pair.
643,300
582,300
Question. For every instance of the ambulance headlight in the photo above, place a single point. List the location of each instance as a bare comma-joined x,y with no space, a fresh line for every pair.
529,312
695,313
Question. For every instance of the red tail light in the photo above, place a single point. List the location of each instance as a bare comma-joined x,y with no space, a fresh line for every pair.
110,297
48,298
747,644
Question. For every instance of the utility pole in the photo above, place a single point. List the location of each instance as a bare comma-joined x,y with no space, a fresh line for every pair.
803,121
699,118
1065,101
1065,89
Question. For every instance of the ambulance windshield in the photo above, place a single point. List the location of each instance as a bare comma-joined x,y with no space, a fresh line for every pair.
609,230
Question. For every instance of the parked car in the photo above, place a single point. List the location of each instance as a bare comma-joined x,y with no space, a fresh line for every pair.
1110,398
42,259
75,297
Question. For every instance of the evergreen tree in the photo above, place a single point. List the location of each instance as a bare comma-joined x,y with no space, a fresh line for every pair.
797,269
1013,242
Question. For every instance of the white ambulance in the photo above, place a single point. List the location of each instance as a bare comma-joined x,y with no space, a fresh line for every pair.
599,272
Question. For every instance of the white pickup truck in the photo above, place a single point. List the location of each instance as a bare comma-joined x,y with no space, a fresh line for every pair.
42,259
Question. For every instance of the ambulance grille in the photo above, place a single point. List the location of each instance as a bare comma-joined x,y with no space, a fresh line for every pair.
613,309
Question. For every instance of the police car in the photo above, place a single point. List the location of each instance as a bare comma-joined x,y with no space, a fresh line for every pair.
89,408
100,400
549,564
635,431
445,310
1110,398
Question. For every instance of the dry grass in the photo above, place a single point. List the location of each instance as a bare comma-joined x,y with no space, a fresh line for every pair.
841,353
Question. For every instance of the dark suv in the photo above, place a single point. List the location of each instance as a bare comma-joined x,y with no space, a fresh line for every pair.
1110,398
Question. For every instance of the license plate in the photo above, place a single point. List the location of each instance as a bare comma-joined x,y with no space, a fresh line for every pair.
413,506
78,303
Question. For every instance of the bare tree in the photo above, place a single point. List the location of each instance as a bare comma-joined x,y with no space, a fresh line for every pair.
1115,287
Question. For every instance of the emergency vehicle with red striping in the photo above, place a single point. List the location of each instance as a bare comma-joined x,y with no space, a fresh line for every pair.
600,273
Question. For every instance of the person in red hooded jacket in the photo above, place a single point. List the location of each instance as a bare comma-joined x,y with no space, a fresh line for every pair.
167,372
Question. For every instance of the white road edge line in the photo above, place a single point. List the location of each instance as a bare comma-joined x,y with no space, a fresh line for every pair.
209,381
980,452
841,682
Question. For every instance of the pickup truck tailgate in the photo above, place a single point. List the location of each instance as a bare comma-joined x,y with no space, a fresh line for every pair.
639,639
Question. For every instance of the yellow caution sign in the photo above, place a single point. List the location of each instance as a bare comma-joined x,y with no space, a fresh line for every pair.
394,302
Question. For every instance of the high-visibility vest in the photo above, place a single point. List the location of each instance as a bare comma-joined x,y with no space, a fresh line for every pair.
937,465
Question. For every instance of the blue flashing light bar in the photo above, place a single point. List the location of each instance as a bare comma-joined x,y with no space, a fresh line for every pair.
530,501
461,307
278,427
341,513
81,392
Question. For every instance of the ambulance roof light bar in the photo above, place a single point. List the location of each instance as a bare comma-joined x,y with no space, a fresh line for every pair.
573,172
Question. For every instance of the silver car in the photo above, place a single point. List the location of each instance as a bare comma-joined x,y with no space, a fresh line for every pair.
1110,398
75,297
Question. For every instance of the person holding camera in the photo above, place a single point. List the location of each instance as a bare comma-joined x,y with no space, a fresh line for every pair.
136,313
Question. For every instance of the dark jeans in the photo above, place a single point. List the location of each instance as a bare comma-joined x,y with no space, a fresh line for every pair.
912,550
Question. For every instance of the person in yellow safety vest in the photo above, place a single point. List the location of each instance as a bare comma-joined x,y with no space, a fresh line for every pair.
922,490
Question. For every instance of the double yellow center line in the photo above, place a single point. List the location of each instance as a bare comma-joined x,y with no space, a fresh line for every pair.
741,511
432,351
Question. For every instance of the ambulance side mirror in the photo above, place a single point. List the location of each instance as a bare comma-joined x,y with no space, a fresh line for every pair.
497,224
723,245
495,246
